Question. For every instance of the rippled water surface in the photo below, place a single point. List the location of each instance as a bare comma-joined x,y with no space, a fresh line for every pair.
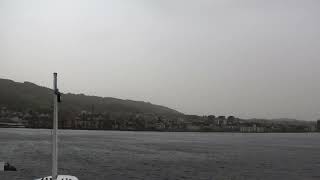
117,155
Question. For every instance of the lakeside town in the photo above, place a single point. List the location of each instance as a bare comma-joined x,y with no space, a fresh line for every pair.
90,120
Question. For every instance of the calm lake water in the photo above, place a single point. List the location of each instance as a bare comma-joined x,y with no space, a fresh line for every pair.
117,155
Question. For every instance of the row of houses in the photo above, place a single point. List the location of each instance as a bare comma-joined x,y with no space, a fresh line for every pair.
143,121
252,129
122,121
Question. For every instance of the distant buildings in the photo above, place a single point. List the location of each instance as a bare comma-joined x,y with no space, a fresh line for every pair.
138,121
11,119
252,129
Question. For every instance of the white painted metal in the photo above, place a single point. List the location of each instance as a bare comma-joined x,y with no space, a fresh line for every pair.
1,166
55,138
54,129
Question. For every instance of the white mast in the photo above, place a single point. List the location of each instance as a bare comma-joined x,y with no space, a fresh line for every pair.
56,100
55,128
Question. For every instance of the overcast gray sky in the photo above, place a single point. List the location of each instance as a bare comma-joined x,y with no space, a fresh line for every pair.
248,58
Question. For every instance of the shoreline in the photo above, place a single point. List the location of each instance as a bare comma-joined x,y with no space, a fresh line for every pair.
167,131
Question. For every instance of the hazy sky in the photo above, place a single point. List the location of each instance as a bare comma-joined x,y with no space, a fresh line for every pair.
248,58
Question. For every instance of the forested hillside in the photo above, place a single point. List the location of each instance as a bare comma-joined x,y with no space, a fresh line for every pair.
22,96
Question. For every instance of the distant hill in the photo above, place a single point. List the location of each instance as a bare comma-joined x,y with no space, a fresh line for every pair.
23,96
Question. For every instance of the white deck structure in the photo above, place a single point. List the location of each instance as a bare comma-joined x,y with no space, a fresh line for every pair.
60,177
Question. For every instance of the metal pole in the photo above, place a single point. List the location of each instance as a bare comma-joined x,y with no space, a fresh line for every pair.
54,130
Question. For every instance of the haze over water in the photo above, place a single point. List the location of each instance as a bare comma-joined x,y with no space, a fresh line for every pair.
250,59
224,60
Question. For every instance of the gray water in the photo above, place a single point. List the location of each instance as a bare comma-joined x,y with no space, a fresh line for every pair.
155,155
